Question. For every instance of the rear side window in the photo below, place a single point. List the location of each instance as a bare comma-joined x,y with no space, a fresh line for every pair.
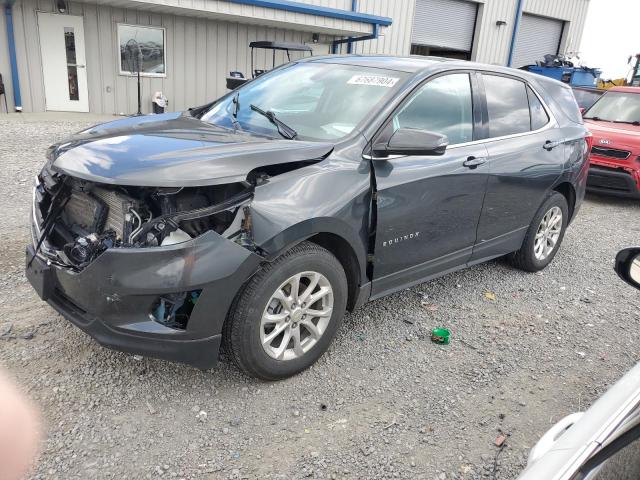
562,101
443,105
508,106
539,117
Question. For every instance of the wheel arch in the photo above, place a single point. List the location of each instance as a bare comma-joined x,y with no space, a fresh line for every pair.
567,190
345,254
334,235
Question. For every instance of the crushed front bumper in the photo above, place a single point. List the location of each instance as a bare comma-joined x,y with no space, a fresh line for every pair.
112,298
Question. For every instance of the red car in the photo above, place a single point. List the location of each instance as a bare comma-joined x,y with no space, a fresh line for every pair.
614,121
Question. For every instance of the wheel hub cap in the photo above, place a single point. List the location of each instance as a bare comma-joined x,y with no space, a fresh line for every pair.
296,316
548,233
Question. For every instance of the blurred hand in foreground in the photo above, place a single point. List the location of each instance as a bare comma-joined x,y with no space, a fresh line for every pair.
19,431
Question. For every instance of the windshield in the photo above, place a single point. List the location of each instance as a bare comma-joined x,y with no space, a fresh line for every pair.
616,107
319,101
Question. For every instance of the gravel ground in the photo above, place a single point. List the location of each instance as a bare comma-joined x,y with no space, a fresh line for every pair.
384,402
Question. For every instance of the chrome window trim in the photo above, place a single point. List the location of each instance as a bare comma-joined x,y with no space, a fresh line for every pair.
552,123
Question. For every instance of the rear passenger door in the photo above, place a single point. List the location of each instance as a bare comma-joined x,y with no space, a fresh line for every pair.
525,157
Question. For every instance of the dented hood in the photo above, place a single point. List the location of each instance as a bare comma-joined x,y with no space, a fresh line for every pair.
173,150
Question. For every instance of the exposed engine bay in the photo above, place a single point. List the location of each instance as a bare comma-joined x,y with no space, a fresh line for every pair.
79,219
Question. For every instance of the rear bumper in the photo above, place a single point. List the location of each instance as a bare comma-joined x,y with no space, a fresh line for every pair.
112,298
612,181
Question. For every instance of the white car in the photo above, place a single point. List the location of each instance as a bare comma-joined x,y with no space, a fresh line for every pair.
601,443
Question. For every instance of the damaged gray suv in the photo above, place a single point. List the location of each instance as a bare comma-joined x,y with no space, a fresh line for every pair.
257,220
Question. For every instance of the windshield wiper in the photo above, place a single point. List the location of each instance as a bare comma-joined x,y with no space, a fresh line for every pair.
630,122
597,119
283,129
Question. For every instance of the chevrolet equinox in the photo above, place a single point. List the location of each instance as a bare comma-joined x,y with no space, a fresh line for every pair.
255,221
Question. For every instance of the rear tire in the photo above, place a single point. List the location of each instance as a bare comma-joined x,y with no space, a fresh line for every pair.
544,236
275,330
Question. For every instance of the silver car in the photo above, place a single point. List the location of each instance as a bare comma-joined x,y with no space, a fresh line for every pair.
601,443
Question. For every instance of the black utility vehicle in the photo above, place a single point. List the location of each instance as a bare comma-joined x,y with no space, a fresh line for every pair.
257,220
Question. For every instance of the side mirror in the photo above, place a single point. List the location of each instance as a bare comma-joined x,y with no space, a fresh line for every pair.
628,266
411,141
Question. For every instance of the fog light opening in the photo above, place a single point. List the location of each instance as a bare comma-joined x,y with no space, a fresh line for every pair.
174,309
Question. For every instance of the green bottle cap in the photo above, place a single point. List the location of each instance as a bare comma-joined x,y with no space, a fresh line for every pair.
440,335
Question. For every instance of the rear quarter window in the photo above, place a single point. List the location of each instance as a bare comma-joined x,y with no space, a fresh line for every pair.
562,101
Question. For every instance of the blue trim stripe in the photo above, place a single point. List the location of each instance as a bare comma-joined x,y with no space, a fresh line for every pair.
514,34
15,79
298,7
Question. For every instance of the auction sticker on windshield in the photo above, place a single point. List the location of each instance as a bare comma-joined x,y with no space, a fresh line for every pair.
375,80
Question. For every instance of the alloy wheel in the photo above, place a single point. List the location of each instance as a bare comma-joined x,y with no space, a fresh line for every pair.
296,316
548,233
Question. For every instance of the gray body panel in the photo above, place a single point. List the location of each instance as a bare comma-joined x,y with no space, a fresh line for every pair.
173,150
445,216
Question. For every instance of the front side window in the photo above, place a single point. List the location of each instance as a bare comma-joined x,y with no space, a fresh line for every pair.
319,101
620,107
508,106
443,105
141,48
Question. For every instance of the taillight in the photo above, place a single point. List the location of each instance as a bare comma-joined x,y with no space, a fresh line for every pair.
589,139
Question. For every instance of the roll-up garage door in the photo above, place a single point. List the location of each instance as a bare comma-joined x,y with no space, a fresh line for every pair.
537,36
445,24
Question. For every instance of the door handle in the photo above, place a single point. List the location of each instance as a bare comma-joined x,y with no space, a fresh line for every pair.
75,65
549,145
474,162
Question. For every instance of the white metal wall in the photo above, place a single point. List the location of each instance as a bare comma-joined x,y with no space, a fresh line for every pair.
199,55
395,39
492,41
201,52
340,4
537,36
444,23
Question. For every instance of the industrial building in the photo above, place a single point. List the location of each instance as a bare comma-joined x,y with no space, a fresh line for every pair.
64,55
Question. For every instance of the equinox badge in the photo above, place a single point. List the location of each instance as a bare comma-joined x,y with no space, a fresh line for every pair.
393,241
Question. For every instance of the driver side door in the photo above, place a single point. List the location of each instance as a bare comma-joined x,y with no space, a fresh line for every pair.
428,207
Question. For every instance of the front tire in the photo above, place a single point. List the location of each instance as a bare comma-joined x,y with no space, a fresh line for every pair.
286,316
544,236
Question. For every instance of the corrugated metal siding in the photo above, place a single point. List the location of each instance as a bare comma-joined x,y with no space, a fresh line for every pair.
200,51
395,39
340,4
5,66
199,55
537,37
492,41
572,11
444,23
224,10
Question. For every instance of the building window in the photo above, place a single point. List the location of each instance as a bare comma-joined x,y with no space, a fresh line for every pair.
143,46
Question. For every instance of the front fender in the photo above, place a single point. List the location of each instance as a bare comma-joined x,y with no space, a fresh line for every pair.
330,197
